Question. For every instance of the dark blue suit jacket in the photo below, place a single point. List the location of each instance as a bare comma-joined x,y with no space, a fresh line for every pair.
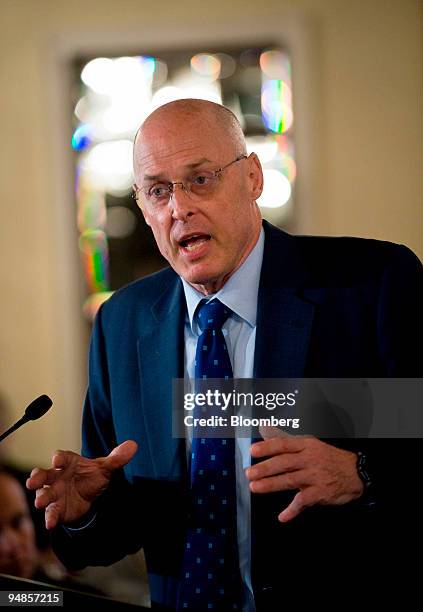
327,307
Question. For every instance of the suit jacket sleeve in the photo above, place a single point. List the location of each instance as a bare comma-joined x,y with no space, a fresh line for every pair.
115,530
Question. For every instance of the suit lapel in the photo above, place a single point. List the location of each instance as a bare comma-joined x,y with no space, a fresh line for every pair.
160,356
284,317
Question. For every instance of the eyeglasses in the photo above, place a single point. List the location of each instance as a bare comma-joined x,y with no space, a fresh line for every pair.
199,184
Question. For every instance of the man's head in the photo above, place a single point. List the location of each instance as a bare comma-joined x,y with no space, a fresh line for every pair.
18,552
207,232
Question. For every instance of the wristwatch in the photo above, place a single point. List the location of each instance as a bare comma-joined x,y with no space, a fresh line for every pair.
368,497
363,470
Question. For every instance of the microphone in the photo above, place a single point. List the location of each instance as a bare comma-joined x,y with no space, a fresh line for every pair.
34,411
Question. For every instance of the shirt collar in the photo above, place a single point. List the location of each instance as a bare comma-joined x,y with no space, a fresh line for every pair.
239,293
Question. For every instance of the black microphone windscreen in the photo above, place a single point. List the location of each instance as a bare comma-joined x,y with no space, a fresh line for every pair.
38,407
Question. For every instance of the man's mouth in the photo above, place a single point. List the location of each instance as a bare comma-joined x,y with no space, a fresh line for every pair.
194,242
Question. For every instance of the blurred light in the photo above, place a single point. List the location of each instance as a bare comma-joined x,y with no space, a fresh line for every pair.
95,258
121,222
165,95
124,115
276,190
275,65
108,166
160,73
91,206
264,146
128,72
289,168
82,137
93,303
188,89
227,65
276,100
97,74
206,91
82,109
206,65
114,77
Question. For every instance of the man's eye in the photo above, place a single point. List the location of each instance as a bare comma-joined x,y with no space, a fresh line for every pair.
158,191
205,178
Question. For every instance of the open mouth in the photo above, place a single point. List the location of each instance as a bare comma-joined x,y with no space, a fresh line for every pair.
194,242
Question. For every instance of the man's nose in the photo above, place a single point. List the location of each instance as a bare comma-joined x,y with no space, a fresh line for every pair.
180,202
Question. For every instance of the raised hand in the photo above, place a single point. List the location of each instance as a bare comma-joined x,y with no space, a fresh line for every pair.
322,473
68,489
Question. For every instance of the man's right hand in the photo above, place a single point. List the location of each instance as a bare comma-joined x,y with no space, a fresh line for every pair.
68,489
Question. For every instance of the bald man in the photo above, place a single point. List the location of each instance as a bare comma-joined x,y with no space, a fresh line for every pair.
295,306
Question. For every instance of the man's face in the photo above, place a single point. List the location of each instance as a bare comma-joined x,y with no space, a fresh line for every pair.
204,239
18,553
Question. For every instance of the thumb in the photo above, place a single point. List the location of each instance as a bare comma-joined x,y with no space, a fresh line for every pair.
121,455
267,432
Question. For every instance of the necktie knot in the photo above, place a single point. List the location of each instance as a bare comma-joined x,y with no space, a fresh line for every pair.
212,315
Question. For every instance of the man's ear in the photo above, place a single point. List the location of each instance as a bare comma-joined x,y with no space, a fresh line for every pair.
255,175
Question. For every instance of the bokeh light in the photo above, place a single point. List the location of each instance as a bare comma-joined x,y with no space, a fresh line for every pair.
265,147
82,137
276,191
98,74
109,165
206,65
95,257
275,65
121,222
91,206
93,303
227,65
276,104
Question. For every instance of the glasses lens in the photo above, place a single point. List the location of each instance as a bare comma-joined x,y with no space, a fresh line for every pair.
202,183
158,193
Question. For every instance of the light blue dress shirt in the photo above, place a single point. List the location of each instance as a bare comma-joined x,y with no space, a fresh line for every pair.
240,294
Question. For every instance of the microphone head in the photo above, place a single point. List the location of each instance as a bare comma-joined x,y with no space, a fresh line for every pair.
38,407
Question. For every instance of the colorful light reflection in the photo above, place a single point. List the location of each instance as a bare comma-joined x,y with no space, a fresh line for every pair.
206,65
93,303
276,65
276,100
82,137
95,258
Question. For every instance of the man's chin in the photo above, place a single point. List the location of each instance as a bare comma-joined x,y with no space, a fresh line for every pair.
205,283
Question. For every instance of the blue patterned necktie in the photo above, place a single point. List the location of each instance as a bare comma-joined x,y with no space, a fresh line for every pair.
210,574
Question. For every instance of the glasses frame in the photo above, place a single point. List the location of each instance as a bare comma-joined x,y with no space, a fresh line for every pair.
171,184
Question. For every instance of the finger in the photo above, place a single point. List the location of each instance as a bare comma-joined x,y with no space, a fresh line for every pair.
278,445
282,482
276,465
267,431
39,477
301,501
121,455
61,459
44,497
52,515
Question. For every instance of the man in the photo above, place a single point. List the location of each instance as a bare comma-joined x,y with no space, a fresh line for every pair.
295,307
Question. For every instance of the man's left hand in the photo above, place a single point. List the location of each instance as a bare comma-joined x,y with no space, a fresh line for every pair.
324,474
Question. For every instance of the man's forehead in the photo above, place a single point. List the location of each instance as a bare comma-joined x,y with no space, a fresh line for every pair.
154,156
